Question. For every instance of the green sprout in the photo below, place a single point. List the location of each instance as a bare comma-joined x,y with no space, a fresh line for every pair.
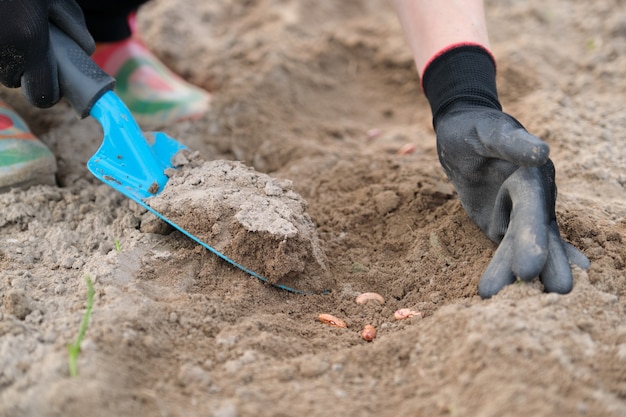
74,349
118,248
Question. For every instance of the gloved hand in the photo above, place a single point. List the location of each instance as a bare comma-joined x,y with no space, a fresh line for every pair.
502,173
25,56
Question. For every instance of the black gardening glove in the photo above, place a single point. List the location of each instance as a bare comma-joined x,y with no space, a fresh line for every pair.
502,173
25,56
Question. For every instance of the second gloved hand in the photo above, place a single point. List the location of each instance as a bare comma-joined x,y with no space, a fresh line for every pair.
502,173
25,56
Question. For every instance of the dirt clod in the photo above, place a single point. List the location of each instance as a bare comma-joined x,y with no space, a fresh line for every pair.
257,221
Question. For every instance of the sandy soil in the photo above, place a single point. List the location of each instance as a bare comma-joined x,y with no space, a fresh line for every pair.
325,94
249,218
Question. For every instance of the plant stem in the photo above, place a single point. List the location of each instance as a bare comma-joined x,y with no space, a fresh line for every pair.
74,349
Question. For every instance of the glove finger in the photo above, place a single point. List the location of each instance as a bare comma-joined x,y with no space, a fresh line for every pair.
511,143
40,83
529,223
68,16
531,243
498,273
557,273
575,256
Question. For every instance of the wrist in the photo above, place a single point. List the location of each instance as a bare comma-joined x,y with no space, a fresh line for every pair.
461,75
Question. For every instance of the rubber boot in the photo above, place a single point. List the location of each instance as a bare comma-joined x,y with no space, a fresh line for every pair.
24,159
154,94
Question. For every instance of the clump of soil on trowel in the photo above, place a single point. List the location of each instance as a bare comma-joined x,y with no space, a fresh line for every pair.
256,220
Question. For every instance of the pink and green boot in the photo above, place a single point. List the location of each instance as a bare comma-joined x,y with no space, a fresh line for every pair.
24,159
153,93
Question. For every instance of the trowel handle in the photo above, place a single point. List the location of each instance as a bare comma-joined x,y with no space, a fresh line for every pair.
82,81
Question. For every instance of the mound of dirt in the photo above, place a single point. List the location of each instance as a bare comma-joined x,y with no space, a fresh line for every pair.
255,220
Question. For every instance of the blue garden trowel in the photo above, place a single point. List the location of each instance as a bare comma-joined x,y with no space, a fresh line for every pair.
128,160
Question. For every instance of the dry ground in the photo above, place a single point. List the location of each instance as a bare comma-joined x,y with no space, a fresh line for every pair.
298,84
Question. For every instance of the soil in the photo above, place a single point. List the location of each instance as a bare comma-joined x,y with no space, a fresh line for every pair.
249,218
325,94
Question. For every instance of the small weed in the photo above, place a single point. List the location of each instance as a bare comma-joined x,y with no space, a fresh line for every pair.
74,349
118,248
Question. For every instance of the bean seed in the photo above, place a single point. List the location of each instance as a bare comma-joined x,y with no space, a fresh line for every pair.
367,296
406,313
407,149
331,320
369,333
